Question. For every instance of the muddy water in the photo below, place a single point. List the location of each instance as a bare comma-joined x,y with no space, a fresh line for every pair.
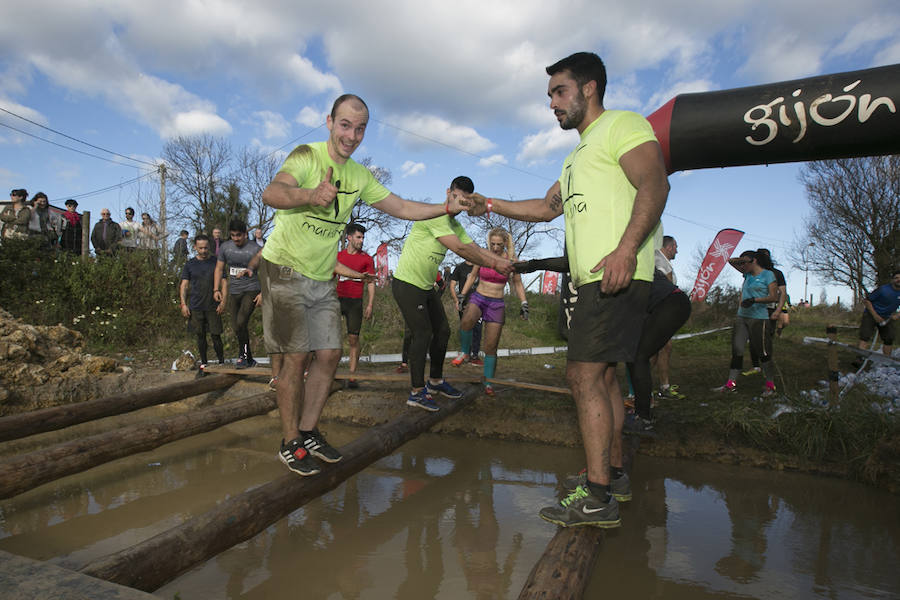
456,518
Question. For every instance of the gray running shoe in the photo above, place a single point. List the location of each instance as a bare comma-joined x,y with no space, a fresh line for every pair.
620,488
583,509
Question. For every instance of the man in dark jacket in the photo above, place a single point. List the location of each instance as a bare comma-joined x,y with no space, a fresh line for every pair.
106,235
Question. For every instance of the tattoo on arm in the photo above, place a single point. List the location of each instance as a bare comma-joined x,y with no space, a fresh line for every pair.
556,202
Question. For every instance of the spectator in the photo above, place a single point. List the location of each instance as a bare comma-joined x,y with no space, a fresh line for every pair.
16,216
106,235
180,249
241,287
71,237
258,237
881,312
45,225
129,231
202,312
216,240
148,238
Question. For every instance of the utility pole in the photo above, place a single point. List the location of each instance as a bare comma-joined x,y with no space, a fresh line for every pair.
164,251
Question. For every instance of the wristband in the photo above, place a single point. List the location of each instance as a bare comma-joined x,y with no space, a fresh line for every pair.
490,205
447,207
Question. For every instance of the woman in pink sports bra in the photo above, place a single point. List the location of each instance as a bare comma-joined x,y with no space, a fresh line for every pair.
486,303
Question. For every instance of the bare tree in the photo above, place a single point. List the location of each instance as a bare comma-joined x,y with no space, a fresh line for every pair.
380,225
853,235
199,171
256,170
524,234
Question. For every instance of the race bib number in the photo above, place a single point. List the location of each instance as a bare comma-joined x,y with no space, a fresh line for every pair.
236,271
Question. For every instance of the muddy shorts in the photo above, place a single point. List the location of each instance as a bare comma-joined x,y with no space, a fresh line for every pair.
299,314
492,309
607,327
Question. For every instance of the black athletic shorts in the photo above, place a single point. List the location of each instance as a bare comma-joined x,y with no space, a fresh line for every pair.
607,328
202,322
867,329
352,309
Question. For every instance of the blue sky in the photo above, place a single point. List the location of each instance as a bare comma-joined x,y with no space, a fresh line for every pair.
453,88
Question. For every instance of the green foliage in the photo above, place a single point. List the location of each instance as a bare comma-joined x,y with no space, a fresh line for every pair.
120,300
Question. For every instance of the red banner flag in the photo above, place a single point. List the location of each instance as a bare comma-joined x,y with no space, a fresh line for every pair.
549,282
718,254
381,265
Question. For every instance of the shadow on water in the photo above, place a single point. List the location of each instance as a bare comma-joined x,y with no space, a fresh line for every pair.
456,518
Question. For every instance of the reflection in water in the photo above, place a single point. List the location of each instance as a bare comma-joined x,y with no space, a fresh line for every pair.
457,518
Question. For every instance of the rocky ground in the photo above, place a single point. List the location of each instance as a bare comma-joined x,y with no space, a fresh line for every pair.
47,366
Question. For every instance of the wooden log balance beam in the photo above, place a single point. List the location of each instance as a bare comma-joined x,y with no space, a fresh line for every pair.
59,417
26,471
564,569
156,561
364,376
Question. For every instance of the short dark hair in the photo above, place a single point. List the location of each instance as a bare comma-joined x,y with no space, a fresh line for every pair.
896,272
343,98
237,225
748,254
201,237
668,240
19,192
352,228
128,209
183,232
463,184
584,67
39,195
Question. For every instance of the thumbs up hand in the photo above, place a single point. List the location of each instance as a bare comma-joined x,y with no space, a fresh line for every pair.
325,192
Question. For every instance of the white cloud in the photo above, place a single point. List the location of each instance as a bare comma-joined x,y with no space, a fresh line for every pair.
544,144
310,117
410,168
872,30
493,160
195,122
272,123
416,130
681,87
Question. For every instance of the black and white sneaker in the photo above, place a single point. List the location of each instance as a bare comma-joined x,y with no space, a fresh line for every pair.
297,458
315,443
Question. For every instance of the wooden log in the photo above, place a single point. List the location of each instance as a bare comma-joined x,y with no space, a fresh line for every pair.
154,562
564,570
50,419
364,376
26,471
834,390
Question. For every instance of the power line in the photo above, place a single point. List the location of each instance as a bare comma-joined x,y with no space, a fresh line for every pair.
108,188
73,139
37,137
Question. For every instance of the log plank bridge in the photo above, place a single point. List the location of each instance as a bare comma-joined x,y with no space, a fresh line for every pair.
563,570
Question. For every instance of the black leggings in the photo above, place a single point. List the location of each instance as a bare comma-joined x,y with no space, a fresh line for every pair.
429,331
661,324
242,307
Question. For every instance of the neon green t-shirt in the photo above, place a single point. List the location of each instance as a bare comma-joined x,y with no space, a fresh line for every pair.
306,238
597,196
423,254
